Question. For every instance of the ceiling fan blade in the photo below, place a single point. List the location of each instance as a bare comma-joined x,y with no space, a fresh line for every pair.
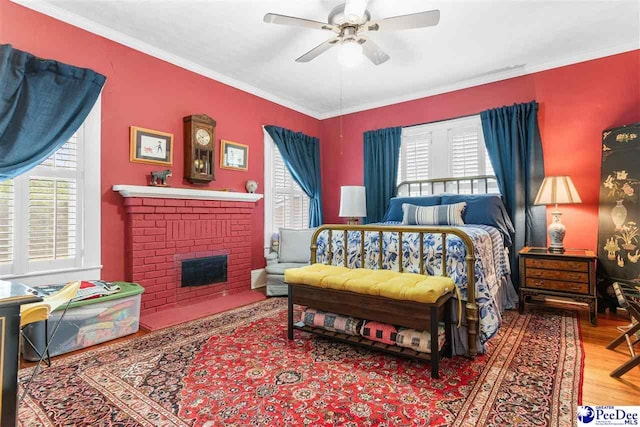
405,22
373,51
321,48
274,18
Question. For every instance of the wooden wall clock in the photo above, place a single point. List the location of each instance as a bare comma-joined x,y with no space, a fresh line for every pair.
199,138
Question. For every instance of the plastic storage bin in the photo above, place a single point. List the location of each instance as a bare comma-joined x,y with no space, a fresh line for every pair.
88,322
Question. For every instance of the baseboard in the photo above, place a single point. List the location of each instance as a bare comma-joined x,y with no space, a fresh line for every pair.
258,278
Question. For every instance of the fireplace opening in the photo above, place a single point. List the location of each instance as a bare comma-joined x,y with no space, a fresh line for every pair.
204,271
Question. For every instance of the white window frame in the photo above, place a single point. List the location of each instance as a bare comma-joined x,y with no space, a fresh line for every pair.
269,150
86,264
440,161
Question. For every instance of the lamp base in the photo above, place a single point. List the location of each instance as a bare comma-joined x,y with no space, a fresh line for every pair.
556,231
353,221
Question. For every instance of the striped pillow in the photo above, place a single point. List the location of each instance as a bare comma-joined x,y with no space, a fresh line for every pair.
433,215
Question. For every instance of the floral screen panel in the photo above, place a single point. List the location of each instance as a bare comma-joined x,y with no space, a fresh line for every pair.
619,219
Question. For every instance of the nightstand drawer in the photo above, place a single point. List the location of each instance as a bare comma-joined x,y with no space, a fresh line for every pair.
551,264
556,285
571,276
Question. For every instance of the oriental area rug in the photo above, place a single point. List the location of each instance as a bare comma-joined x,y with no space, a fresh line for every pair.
238,369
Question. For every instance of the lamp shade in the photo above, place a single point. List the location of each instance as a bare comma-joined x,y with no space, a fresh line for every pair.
557,190
353,201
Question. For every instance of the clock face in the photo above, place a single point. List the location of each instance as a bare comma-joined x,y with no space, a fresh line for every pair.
203,137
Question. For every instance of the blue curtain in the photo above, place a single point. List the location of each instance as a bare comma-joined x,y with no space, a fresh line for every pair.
42,103
301,155
512,137
381,154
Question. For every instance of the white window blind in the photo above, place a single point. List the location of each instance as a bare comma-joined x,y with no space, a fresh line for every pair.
290,203
464,151
6,221
47,236
415,154
446,149
52,218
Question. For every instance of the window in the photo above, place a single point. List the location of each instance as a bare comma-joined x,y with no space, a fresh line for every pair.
50,215
447,149
286,204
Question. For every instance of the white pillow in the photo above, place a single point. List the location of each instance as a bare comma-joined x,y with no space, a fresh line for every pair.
433,215
295,245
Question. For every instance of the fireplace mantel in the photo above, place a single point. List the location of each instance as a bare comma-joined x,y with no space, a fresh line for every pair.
184,193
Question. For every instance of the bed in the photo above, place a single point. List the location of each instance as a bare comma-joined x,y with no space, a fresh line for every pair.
378,249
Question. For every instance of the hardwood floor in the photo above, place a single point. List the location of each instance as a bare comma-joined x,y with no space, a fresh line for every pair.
598,387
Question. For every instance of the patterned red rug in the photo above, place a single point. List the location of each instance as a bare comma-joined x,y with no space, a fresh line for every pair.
237,368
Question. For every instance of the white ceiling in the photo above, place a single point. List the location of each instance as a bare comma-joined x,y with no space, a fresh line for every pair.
476,41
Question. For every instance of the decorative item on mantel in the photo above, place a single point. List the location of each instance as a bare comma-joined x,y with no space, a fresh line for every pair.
251,186
353,203
553,191
159,178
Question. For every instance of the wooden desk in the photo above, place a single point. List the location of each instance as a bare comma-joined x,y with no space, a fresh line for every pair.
12,296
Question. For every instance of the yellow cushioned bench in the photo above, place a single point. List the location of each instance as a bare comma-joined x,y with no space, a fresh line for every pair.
384,283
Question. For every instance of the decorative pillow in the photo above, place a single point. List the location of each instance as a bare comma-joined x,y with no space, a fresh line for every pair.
331,321
381,332
486,209
433,215
419,340
394,212
295,245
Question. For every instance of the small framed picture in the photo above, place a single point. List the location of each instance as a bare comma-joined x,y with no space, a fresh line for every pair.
234,155
151,146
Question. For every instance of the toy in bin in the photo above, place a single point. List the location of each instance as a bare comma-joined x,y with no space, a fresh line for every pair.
88,289
102,311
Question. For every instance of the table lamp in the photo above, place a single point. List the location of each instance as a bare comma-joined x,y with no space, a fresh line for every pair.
353,203
557,190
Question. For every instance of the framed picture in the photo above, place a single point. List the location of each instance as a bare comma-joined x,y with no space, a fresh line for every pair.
151,146
234,155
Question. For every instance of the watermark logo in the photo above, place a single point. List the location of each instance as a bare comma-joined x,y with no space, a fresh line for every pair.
589,416
586,414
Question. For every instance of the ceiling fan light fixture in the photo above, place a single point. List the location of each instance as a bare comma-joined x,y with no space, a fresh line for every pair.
354,10
350,54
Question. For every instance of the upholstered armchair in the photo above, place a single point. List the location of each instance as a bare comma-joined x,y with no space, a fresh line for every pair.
293,251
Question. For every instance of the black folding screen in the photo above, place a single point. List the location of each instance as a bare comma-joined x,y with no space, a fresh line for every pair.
619,219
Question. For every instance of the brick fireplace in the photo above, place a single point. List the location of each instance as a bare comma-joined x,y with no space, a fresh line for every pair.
165,226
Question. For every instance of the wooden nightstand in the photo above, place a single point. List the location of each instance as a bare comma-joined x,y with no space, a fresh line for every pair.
571,276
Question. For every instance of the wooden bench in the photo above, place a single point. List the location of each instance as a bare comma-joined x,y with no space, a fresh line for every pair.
410,314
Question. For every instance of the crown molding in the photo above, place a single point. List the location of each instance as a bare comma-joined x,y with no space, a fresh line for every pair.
49,9
488,78
71,18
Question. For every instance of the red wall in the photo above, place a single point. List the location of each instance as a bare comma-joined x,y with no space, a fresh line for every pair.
577,103
147,92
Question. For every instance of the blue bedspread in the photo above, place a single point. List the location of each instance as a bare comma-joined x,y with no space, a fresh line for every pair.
491,269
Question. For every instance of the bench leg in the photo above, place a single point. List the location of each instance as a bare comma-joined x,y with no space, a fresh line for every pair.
435,351
448,324
290,315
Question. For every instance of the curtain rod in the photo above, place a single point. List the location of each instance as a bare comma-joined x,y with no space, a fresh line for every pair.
442,120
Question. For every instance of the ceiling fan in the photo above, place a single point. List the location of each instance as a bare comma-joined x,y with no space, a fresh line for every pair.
350,22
